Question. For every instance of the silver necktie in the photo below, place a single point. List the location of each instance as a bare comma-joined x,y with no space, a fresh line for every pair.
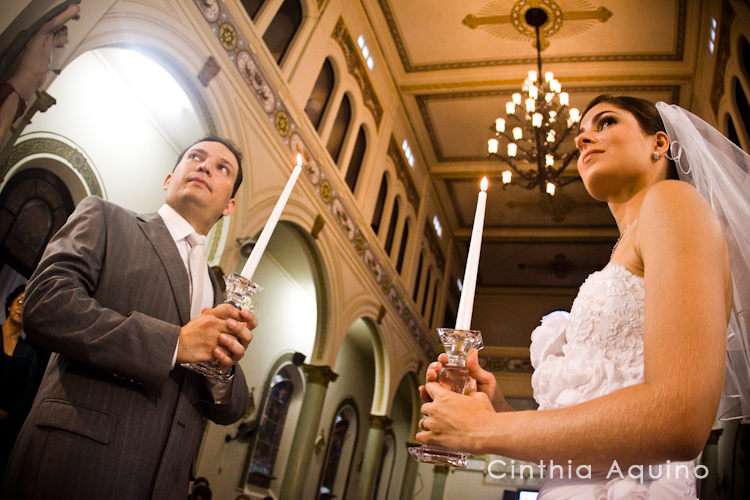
197,265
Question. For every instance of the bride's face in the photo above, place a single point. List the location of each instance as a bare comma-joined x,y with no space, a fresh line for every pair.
615,153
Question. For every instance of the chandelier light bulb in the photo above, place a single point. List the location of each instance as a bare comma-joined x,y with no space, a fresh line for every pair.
538,117
506,175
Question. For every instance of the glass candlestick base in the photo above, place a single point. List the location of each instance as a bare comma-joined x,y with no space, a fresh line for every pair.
239,293
454,376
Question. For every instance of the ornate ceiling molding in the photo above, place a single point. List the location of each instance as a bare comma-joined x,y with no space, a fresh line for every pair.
676,55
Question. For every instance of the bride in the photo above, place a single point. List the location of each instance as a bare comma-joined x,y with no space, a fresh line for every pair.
628,384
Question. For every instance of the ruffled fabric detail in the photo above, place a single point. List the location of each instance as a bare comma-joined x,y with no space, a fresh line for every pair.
594,350
597,348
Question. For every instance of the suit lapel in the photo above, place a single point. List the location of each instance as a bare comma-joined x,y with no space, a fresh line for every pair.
218,295
165,248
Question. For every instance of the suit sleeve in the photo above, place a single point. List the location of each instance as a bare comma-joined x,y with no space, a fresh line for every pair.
234,407
61,314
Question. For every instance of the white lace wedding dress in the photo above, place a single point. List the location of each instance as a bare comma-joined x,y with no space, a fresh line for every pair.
593,351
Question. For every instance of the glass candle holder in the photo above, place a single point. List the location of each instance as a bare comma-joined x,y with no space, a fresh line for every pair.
239,293
454,376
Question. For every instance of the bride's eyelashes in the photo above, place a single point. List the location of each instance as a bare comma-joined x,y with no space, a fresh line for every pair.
605,121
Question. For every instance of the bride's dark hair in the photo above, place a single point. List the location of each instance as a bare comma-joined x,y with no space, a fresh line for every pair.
644,112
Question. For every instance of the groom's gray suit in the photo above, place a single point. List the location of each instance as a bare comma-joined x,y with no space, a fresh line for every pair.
111,420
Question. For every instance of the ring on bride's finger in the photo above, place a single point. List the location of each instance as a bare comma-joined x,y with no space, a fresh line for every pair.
421,424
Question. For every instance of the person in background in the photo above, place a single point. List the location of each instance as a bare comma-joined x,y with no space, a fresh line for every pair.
20,367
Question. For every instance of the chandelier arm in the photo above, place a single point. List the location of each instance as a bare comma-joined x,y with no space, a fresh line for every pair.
563,136
526,175
566,162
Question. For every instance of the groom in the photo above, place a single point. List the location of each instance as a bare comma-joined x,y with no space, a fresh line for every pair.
116,416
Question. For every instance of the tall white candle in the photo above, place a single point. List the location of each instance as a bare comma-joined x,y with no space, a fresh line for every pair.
466,304
260,246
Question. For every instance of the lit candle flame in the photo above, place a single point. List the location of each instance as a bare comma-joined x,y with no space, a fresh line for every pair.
485,184
299,159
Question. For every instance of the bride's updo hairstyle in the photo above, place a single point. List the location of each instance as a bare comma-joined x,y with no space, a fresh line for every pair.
644,112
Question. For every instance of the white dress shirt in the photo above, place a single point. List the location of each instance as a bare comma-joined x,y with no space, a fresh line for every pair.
179,229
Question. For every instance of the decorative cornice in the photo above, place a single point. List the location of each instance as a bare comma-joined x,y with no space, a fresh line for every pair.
358,69
403,174
424,99
258,84
321,375
676,55
517,82
54,147
507,364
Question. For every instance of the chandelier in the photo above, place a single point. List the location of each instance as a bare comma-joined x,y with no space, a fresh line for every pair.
536,123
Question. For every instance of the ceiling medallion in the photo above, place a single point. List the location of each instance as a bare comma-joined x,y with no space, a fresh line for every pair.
549,28
560,267
579,16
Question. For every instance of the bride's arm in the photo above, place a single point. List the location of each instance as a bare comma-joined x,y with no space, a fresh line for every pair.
669,416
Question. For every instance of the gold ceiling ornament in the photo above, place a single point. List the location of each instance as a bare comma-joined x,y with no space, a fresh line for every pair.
536,123
513,26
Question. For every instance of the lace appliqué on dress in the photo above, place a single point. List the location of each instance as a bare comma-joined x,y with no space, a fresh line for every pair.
597,348
594,350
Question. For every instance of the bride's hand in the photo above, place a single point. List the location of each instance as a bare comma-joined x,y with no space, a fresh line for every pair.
456,421
433,372
483,381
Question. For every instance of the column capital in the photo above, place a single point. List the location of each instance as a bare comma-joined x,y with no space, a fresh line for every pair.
321,375
380,422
